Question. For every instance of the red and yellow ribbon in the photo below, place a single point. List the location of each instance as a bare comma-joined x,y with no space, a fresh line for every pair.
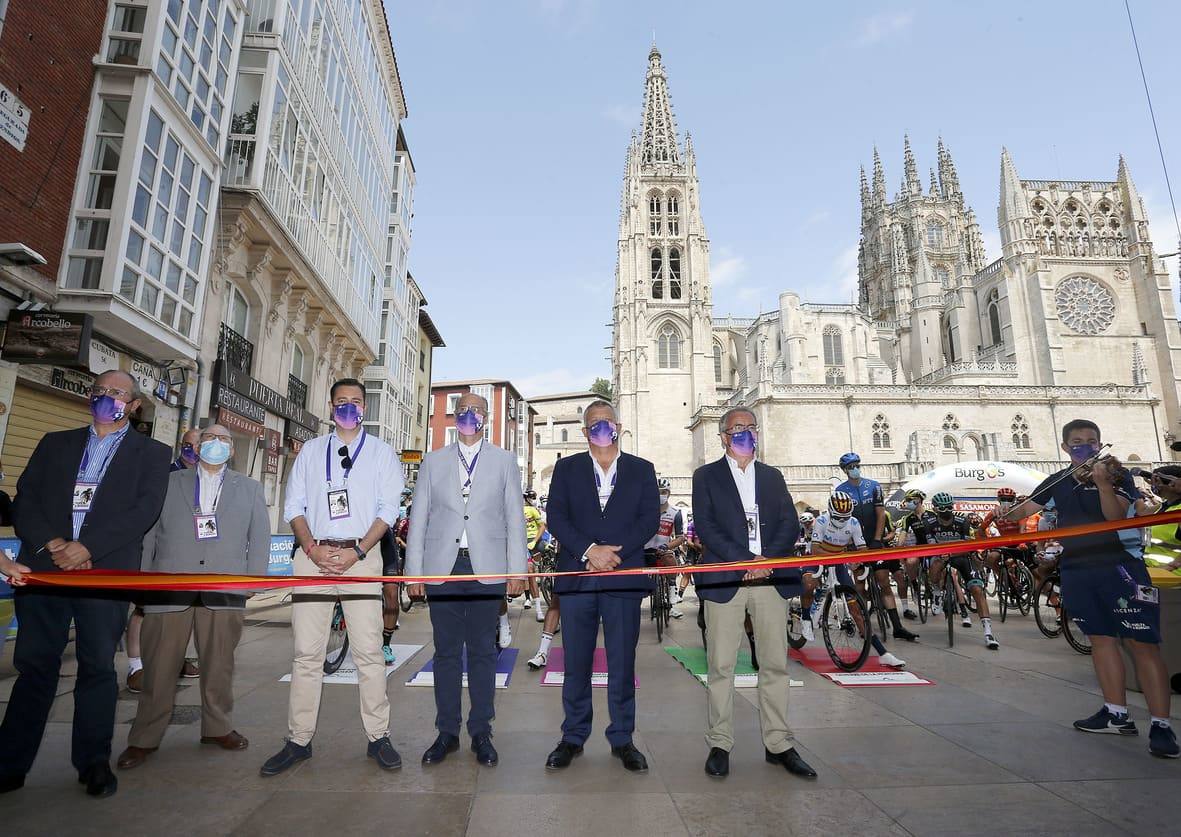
121,580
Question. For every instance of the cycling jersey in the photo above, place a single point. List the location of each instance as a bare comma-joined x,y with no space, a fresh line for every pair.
829,535
867,499
532,525
930,529
1003,526
671,526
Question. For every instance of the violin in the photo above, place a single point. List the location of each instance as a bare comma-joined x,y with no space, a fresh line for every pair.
1086,471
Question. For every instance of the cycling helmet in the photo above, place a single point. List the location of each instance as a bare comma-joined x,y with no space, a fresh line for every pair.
806,518
1006,495
849,459
915,494
530,495
664,484
943,501
840,505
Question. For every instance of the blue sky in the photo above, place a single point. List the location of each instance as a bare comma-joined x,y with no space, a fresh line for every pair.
520,112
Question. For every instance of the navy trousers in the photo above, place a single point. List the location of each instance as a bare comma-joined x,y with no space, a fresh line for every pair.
464,615
581,614
44,619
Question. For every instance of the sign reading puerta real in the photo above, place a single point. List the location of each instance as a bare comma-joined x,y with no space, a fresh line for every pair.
238,392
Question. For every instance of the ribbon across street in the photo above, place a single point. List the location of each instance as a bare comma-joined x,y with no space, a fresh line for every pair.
121,580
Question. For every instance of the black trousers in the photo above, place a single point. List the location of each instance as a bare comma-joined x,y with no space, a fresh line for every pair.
464,616
44,619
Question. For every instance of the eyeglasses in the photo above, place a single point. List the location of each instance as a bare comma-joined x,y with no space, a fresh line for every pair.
740,428
121,394
209,437
346,461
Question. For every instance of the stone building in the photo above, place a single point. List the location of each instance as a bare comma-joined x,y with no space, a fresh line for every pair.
945,357
557,432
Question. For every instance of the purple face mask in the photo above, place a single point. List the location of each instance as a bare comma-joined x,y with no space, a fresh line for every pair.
743,443
188,454
347,416
603,433
106,409
469,422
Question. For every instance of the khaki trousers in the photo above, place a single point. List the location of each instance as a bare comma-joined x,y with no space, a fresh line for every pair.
311,618
164,639
724,626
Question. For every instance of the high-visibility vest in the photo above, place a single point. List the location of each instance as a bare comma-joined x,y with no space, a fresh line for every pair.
1164,546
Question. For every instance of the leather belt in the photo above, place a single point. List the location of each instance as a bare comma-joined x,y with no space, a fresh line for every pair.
347,543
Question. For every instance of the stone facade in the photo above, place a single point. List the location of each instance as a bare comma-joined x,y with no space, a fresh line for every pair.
945,357
557,432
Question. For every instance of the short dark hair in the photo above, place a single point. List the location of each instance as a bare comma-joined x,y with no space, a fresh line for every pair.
345,382
596,404
1079,424
724,421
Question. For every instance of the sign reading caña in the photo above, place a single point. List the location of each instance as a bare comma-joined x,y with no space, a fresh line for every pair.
48,337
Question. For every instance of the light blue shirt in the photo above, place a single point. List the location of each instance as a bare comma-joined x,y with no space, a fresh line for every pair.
375,486
96,460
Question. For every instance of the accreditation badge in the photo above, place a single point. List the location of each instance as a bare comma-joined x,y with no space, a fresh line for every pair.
205,527
752,525
338,504
84,495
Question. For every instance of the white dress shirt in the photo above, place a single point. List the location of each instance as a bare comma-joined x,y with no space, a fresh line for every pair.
470,453
605,479
210,486
374,485
745,482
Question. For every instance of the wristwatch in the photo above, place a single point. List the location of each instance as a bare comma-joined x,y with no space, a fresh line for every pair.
360,552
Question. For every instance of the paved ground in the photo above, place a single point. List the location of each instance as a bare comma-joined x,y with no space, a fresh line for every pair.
988,750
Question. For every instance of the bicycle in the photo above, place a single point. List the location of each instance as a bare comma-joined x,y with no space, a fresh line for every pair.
920,590
546,561
843,624
338,641
1014,584
877,604
1050,591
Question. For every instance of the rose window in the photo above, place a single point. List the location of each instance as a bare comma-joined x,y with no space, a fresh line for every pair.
1084,305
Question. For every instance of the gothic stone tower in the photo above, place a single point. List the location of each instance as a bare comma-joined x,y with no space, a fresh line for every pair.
661,354
917,257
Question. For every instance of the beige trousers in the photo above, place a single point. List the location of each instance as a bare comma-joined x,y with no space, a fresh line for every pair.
311,618
164,640
724,628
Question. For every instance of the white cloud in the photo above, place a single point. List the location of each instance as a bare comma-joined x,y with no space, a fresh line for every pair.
844,275
877,28
557,380
726,267
626,115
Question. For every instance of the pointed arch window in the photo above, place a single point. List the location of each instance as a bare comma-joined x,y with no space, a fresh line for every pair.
949,340
674,215
656,263
674,273
565,435
949,444
994,316
654,217
717,363
668,347
881,432
943,277
935,234
1020,430
834,356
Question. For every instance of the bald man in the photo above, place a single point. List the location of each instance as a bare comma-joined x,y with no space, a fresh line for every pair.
214,521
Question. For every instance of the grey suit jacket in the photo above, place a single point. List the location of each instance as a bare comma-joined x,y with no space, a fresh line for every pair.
243,545
494,514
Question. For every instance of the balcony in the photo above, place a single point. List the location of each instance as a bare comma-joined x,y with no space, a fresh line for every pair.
297,391
235,350
968,371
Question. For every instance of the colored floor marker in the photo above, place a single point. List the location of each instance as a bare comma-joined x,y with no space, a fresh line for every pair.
872,673
555,669
694,662
504,670
347,673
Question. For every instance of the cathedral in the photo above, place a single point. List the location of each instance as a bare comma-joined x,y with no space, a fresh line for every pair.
946,357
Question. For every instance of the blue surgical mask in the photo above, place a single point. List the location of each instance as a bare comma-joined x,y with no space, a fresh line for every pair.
1081,453
910,505
854,473
215,451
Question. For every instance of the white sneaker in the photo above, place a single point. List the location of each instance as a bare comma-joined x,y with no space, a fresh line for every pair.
890,660
540,615
675,596
806,630
528,603
504,637
966,622
674,613
990,641
537,661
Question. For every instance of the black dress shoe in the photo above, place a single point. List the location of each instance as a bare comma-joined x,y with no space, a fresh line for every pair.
791,760
11,782
438,751
291,755
718,763
99,780
485,752
632,758
562,755
383,752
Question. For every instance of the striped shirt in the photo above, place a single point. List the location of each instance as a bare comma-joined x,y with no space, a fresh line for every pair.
98,456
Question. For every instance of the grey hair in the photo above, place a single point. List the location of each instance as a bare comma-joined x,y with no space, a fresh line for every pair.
724,421
133,389
487,406
599,402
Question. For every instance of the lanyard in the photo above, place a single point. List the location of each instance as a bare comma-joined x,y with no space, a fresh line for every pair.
599,480
469,468
197,493
328,458
106,464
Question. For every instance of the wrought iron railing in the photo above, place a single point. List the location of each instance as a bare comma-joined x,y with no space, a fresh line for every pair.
235,349
297,391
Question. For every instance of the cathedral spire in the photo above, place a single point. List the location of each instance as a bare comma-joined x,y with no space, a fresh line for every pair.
934,185
1014,204
948,178
660,128
911,181
1132,202
879,178
864,189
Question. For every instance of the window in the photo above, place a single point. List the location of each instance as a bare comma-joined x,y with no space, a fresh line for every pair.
94,215
674,273
536,438
565,435
237,311
297,361
194,61
422,360
674,215
655,265
654,220
127,28
373,407
943,276
994,316
668,348
949,444
717,363
950,422
452,402
1020,430
935,234
451,435
834,353
881,432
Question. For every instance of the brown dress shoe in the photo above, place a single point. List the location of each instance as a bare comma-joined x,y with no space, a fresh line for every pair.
133,757
189,670
232,740
135,682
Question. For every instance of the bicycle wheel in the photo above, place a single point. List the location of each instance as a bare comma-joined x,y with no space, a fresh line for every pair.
879,610
1079,641
658,610
847,647
1044,613
1002,593
338,641
795,635
1024,589
949,602
921,593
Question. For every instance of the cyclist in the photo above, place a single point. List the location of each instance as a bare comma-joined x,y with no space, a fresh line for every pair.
1164,541
835,531
869,503
534,529
996,521
943,525
693,550
391,564
804,544
670,535
912,508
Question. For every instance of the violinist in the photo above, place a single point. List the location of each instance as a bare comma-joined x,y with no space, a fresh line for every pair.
1106,586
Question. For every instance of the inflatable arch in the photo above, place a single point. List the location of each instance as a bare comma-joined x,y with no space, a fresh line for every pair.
976,480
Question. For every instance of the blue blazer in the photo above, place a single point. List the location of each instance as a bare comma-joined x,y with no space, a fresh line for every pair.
720,521
630,519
